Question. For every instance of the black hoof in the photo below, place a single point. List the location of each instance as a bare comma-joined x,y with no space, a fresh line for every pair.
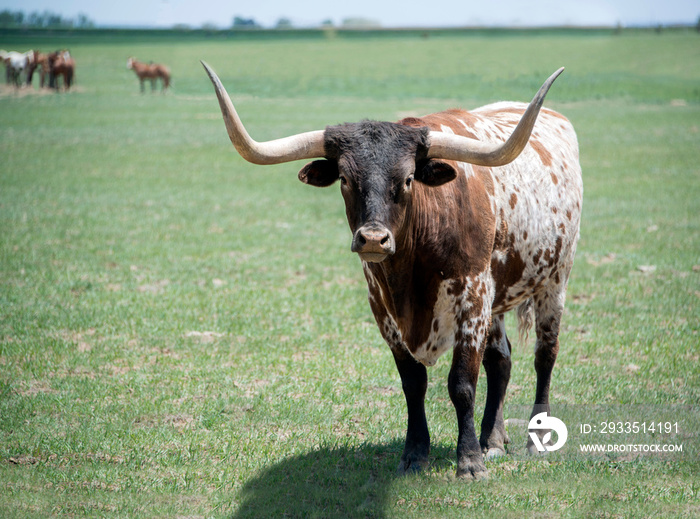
412,466
473,469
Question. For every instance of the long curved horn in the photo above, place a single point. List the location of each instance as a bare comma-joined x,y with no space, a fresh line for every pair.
307,145
456,147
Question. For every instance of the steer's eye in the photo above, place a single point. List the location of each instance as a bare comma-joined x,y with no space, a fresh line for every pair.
409,181
343,180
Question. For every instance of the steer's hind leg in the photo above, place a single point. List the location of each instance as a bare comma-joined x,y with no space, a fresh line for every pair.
497,364
414,380
549,307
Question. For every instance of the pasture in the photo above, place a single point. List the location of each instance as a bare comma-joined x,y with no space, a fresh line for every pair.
184,334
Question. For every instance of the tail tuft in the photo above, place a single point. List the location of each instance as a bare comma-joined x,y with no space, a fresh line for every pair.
526,318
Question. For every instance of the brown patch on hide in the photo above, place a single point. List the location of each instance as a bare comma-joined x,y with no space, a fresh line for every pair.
548,257
545,156
500,241
456,289
536,257
553,114
485,175
455,119
478,221
510,110
513,200
414,122
557,249
507,273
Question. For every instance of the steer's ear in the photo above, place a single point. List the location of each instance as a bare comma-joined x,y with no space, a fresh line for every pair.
319,173
435,172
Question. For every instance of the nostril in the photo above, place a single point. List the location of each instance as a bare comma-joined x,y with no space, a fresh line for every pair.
373,240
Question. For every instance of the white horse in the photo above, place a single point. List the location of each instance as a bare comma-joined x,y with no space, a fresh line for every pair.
3,57
16,63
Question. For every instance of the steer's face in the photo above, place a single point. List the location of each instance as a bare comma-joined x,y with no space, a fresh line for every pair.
377,164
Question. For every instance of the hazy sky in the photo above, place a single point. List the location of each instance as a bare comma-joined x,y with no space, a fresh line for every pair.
407,13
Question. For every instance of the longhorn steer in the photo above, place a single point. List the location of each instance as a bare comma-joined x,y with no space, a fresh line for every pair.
454,228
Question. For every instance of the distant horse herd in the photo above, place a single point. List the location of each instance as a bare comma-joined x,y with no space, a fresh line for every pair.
52,66
56,68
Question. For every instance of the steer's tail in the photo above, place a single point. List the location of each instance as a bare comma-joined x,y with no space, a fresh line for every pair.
526,318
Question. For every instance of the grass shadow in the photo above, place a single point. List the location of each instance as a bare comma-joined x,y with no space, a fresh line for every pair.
327,482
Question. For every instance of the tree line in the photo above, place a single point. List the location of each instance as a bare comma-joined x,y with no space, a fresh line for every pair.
51,20
45,20
240,22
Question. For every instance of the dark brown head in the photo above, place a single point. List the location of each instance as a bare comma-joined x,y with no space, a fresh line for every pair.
377,164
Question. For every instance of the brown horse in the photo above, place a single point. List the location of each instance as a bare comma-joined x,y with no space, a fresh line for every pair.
61,64
150,71
40,60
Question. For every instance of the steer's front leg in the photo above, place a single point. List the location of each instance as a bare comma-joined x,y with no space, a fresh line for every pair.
414,380
462,386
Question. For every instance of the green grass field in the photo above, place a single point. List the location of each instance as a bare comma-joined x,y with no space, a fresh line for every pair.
183,334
